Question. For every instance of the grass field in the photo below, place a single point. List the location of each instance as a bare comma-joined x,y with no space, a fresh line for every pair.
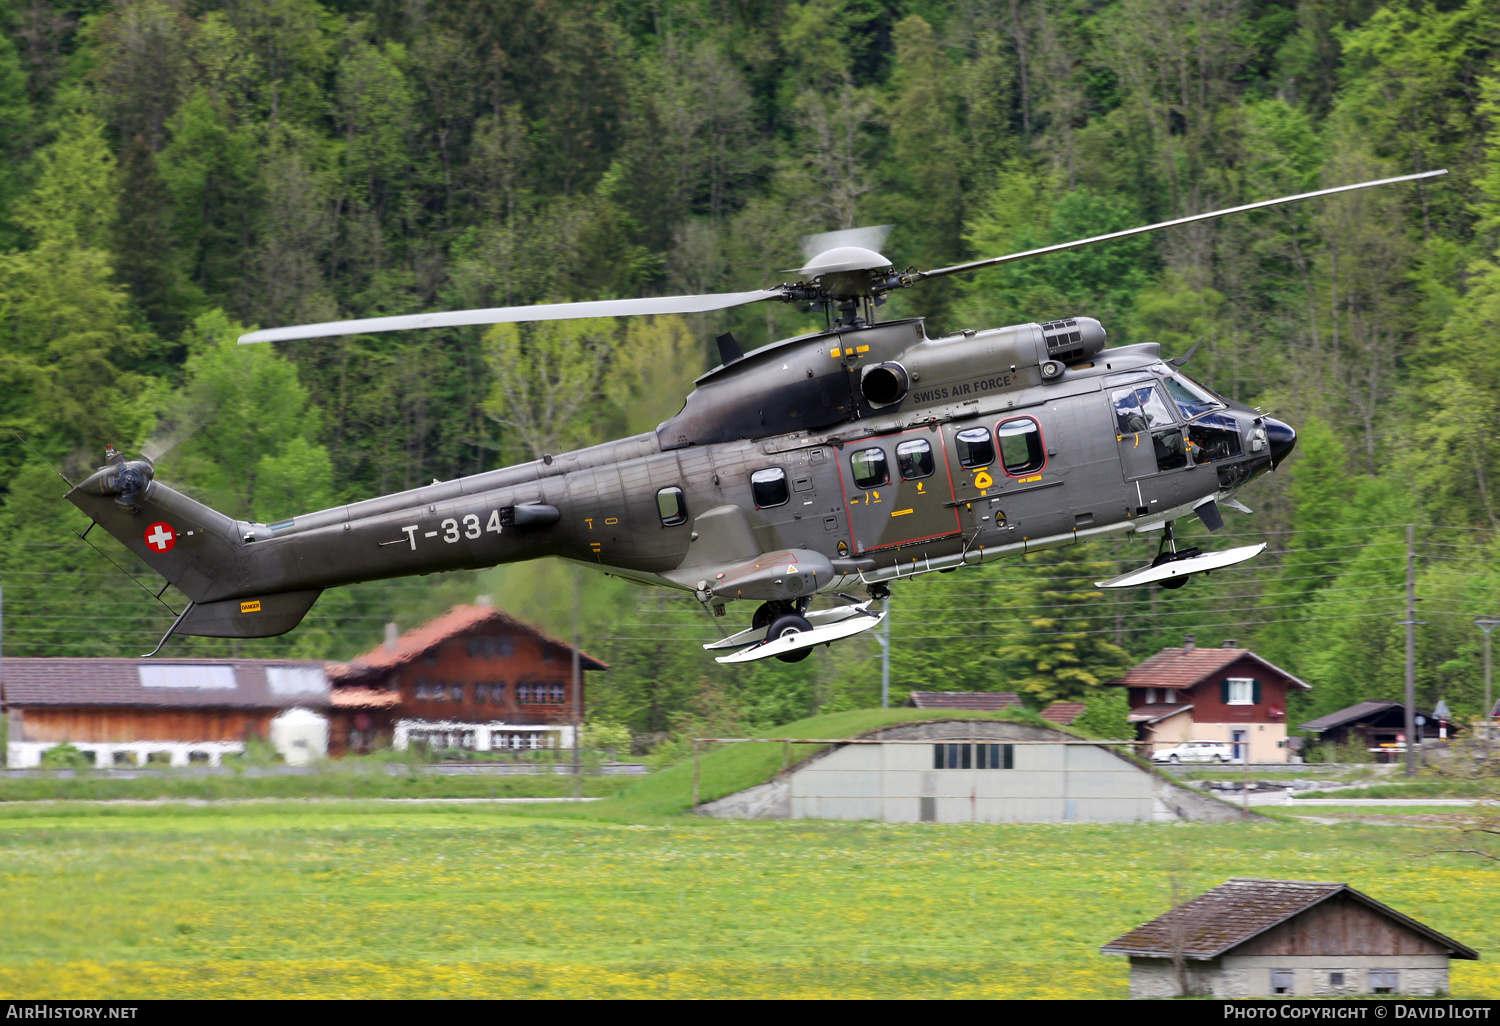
370,900
335,782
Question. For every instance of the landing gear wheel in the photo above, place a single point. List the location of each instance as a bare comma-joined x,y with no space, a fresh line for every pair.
767,612
790,624
1173,583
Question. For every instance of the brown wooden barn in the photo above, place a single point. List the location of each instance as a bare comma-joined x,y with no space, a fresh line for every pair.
1285,938
127,712
474,678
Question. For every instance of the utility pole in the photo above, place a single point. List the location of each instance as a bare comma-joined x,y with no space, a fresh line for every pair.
884,637
1487,624
1411,650
577,699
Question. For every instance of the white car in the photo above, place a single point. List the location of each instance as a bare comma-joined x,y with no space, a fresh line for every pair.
1196,751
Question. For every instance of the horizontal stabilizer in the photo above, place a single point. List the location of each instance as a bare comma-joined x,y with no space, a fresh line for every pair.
806,639
1183,567
818,618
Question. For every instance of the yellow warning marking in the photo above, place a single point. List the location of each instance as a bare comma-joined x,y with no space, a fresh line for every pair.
792,569
983,479
250,607
612,520
834,352
919,488
900,512
589,521
863,349
1033,477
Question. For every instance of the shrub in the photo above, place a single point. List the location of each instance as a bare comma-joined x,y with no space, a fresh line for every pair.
65,756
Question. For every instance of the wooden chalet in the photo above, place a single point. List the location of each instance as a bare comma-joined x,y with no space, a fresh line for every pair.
131,712
1225,694
474,678
1376,727
1285,938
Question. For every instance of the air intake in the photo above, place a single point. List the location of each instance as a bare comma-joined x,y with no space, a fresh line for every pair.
1076,338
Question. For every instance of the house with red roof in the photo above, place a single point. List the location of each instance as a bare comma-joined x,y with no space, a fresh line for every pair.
474,678
1226,694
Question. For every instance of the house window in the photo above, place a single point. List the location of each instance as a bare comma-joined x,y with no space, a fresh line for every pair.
1335,979
769,488
1281,981
1150,694
1384,981
1240,691
481,694
976,756
672,506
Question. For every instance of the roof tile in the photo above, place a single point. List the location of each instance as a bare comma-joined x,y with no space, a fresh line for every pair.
1239,909
28,682
455,622
1182,668
975,701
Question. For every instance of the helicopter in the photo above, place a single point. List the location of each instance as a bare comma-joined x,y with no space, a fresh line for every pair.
852,457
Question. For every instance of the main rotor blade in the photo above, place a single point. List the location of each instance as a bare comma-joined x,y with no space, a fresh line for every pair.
992,261
515,314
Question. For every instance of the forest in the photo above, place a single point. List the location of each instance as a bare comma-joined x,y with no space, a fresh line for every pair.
173,172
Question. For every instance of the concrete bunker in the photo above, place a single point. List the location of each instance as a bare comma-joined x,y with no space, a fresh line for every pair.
962,771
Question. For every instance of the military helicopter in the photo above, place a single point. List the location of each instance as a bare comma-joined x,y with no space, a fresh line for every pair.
848,458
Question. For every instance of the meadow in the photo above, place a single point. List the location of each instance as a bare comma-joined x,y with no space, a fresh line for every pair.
354,899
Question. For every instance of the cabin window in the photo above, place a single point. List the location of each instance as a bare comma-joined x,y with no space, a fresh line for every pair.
1240,691
974,447
769,488
1021,449
914,459
1215,437
1171,449
1384,981
1139,409
672,505
869,468
1281,981
1191,397
973,756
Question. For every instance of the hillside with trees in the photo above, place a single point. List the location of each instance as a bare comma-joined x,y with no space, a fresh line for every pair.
173,172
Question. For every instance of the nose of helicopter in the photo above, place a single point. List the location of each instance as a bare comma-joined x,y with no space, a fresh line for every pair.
1281,438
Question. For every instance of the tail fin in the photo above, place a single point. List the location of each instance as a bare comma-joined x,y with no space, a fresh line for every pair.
197,549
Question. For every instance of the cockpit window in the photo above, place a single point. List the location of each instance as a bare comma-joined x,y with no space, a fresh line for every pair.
1139,408
769,488
1192,398
914,459
1215,437
869,468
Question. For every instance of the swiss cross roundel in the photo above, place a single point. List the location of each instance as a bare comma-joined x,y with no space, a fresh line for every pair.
160,537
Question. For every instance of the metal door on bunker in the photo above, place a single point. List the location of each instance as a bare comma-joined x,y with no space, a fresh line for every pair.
898,490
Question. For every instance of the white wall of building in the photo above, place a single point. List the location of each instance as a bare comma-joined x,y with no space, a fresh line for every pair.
481,737
1048,783
28,754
